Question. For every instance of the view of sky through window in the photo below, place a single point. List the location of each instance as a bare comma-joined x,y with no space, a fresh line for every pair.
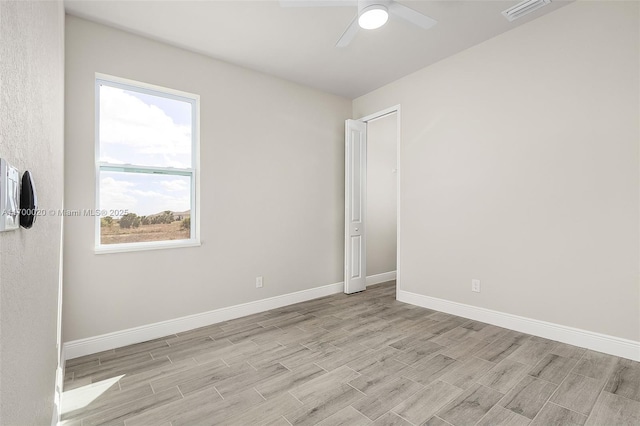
145,130
142,129
144,194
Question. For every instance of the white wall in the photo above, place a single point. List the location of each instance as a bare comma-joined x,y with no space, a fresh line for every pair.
381,195
272,193
31,138
520,167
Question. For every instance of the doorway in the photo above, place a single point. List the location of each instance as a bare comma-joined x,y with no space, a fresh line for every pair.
372,178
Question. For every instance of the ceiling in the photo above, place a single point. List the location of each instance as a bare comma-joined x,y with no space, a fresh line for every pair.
298,43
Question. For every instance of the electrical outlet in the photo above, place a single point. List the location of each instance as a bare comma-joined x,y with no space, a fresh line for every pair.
258,282
475,286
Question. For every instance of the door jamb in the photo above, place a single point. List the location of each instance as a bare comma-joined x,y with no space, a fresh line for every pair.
372,117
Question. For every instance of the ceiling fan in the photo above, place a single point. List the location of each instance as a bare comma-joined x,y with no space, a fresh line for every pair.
372,14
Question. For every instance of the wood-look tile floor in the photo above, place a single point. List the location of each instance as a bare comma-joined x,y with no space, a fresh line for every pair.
352,360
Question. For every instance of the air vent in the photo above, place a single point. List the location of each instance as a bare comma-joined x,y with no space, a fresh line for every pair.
523,8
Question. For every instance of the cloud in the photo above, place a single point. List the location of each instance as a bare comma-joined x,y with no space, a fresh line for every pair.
156,202
140,132
175,185
144,194
114,195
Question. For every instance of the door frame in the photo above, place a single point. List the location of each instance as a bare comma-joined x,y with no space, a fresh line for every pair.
372,117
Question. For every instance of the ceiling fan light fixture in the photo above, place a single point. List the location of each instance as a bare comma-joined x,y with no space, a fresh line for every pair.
373,17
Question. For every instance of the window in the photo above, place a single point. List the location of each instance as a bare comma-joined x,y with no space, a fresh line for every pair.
146,162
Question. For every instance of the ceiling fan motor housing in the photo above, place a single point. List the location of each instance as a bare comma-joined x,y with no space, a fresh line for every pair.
373,16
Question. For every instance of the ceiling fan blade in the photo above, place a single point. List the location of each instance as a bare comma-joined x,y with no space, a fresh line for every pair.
410,15
317,3
349,33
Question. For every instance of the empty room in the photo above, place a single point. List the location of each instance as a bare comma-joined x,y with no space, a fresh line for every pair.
319,212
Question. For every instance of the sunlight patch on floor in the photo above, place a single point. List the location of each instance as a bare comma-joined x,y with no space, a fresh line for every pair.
81,397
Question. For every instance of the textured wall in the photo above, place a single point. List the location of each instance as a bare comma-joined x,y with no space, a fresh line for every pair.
272,191
31,138
381,194
519,167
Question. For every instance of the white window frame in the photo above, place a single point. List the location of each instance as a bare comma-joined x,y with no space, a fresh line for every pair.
193,172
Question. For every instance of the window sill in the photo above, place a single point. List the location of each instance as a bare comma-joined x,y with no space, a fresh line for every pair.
155,245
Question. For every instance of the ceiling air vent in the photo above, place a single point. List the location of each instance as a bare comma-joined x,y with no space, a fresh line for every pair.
523,8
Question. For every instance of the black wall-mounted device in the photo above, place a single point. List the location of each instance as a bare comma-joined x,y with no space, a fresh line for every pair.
28,201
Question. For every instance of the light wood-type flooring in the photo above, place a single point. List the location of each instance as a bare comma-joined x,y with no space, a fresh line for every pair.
351,360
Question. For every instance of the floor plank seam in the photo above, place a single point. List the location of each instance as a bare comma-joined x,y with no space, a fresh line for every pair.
619,396
439,418
565,407
405,419
294,397
218,392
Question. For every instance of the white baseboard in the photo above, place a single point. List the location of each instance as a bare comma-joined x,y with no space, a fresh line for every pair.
55,417
381,278
91,345
574,336
57,396
57,392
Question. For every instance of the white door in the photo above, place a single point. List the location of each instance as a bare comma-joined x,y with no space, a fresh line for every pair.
355,206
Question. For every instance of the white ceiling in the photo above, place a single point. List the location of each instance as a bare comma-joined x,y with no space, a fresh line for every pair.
298,44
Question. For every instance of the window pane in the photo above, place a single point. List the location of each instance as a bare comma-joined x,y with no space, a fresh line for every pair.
144,207
142,129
